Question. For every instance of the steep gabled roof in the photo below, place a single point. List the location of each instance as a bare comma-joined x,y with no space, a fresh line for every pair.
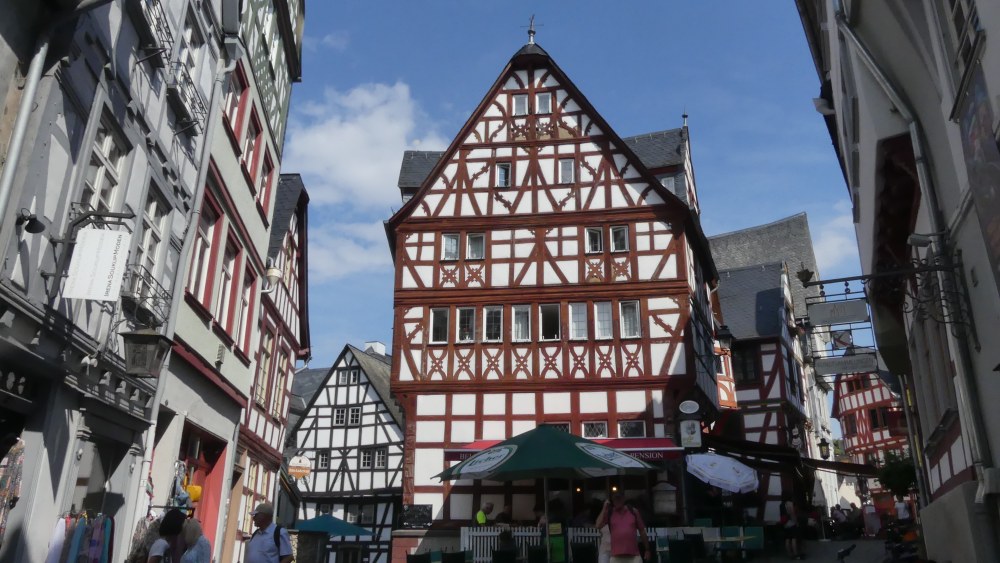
415,168
659,149
787,240
305,384
376,368
751,299
532,55
290,196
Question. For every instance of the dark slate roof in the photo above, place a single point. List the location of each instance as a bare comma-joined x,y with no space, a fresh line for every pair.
376,368
286,200
659,149
416,166
787,240
531,49
750,299
304,385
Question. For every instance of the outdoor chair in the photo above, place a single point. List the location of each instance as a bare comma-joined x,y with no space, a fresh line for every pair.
697,543
503,556
536,554
583,552
729,546
418,557
680,551
756,541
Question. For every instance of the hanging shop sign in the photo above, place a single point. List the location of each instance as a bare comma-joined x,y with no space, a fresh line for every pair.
838,312
842,339
690,433
855,363
98,265
299,467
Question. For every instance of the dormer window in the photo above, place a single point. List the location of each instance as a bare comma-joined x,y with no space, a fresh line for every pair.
503,175
520,104
543,103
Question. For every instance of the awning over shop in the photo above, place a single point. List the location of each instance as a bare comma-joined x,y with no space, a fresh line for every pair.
778,459
646,449
841,467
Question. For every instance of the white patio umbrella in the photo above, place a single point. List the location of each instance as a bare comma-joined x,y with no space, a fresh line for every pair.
723,472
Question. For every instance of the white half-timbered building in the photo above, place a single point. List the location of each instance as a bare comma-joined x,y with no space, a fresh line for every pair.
352,432
547,271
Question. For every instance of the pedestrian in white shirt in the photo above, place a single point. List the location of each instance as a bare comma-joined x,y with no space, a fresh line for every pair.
269,542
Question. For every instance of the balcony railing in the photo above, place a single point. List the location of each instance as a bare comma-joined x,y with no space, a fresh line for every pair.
186,100
144,297
153,27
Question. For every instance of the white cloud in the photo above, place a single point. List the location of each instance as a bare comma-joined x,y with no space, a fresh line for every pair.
338,41
349,145
338,250
835,244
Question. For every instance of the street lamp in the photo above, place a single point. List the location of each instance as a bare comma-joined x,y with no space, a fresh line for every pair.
725,337
824,449
145,351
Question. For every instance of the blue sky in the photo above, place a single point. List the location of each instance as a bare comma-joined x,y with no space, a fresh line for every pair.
381,77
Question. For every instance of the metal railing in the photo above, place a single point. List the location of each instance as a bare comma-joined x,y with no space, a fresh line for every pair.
188,102
156,34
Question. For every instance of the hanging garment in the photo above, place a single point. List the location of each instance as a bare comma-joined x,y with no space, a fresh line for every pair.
72,523
75,544
109,536
93,552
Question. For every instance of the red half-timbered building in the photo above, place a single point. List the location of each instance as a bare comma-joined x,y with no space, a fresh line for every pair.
871,418
547,271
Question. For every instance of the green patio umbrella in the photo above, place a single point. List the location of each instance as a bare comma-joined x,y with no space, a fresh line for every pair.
332,526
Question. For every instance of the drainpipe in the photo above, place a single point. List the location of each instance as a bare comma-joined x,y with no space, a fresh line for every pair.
968,392
24,110
916,451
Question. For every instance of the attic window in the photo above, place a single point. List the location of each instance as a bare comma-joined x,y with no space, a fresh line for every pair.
520,104
543,103
566,169
503,175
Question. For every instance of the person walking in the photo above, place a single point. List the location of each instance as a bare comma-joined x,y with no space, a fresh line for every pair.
269,542
166,548
483,514
903,515
604,546
624,523
792,529
198,549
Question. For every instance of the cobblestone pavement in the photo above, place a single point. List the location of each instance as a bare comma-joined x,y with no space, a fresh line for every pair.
867,551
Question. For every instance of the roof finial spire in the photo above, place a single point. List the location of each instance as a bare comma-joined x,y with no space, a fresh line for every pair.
531,30
685,117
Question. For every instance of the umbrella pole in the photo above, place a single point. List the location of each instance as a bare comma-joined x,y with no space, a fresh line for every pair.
545,506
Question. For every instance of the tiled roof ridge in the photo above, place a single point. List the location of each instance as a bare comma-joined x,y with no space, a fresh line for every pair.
774,223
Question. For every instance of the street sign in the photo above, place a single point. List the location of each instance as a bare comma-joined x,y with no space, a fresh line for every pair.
97,268
838,312
299,467
855,363
842,339
690,433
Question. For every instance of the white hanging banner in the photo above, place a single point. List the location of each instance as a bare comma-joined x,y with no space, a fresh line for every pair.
838,312
98,265
855,363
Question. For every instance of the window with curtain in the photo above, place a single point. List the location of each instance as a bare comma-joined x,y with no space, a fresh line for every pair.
602,320
630,319
493,324
466,324
595,240
522,323
578,321
477,247
439,326
449,247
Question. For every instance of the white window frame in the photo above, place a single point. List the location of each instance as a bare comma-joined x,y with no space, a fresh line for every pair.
541,323
102,185
598,335
245,312
342,377
447,239
381,457
486,319
574,327
621,422
323,459
503,175
638,316
542,108
435,313
367,458
155,216
341,414
355,375
583,429
469,254
227,283
587,232
469,314
567,170
525,312
619,228
354,413
519,105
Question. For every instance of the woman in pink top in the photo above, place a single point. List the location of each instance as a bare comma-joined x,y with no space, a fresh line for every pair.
624,523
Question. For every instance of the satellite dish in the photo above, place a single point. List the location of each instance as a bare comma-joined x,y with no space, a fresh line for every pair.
689,407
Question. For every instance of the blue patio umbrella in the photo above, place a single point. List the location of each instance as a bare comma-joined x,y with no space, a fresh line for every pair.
331,526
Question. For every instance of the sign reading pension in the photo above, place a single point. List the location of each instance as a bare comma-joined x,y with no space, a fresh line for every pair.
299,467
98,265
855,363
838,312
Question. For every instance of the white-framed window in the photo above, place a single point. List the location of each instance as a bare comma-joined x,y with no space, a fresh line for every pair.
476,247
466,324
264,365
227,284
439,326
322,459
367,455
449,247
342,377
339,416
492,323
577,321
154,223
201,254
381,457
100,190
520,104
522,323
564,426
619,238
503,174
367,514
567,169
355,375
602,320
543,102
595,429
354,416
962,20
595,240
549,315
631,429
245,311
191,43
629,311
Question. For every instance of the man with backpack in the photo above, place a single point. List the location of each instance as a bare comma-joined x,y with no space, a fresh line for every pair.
624,523
269,542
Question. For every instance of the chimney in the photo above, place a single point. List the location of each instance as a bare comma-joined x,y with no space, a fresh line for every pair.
375,347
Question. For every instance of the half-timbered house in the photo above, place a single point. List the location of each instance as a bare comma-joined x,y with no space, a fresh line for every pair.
870,411
547,271
352,431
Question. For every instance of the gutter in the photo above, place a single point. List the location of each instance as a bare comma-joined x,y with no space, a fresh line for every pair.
969,402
